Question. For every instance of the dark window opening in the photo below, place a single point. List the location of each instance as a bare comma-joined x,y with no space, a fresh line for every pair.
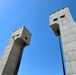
26,38
55,19
17,34
58,32
24,44
62,16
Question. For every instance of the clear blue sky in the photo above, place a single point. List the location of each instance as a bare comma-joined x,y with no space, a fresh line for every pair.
42,56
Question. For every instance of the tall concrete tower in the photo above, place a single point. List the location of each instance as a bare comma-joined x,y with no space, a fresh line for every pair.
10,60
63,24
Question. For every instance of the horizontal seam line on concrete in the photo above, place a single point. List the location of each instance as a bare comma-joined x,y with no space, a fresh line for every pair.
67,22
69,42
69,34
70,50
71,61
69,28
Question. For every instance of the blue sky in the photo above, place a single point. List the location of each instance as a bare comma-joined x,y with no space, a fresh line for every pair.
42,56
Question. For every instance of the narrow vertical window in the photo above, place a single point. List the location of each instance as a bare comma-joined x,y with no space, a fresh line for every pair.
17,34
26,38
55,19
62,16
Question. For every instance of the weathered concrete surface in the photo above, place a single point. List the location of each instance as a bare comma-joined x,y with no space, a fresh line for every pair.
10,60
67,28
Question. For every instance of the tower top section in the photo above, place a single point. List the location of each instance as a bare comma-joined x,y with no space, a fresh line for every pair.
59,10
60,17
22,35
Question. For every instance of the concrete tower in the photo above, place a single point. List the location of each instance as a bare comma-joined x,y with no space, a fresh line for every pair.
10,60
63,24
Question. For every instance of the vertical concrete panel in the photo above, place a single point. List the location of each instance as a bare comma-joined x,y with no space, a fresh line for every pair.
69,46
69,67
73,63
